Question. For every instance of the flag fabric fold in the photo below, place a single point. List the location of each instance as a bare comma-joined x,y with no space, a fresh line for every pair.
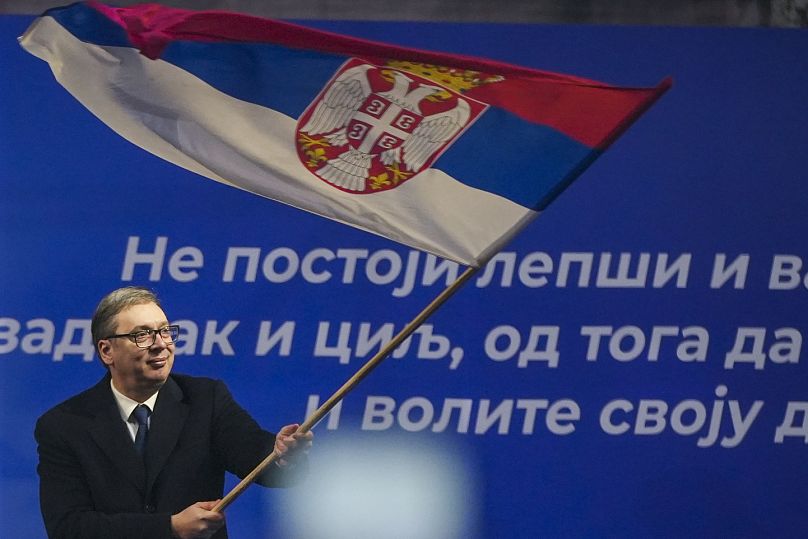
448,154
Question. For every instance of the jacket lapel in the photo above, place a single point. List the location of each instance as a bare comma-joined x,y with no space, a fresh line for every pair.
166,425
110,433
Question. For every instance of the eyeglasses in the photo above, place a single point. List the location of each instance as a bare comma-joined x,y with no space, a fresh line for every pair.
145,338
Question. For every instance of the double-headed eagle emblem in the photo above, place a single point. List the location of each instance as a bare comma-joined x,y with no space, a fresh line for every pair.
373,128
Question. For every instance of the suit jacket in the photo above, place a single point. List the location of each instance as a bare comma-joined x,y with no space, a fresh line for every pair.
93,484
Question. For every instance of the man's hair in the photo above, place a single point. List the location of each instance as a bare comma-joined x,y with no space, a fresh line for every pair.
103,324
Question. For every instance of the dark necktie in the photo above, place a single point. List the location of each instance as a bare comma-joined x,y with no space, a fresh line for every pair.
141,415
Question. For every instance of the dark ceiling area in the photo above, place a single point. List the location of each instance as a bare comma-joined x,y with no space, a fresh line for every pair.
744,13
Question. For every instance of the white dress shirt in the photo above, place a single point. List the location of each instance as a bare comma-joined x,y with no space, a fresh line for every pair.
126,406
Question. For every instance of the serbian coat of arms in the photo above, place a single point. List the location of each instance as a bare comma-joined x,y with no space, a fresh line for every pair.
372,128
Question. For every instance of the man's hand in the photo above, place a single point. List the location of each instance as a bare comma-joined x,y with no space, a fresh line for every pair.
197,521
290,444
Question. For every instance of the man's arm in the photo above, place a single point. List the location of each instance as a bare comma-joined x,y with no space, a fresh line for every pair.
241,443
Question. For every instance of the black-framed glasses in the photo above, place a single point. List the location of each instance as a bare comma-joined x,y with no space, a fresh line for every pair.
145,338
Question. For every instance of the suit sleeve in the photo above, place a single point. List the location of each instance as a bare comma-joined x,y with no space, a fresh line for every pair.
66,502
242,444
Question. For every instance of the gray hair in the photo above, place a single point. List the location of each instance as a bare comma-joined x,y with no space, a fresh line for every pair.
103,323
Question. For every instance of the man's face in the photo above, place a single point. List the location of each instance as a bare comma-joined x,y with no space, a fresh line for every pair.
138,372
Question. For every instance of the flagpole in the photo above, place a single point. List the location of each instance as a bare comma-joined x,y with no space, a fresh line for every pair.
352,382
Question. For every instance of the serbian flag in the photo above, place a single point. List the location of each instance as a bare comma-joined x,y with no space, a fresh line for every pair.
448,154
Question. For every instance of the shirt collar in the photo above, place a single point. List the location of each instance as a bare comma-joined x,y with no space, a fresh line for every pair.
126,405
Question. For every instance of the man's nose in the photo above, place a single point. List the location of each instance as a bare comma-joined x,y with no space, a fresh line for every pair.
159,338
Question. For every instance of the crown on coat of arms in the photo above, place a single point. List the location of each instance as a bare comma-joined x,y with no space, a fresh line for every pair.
459,80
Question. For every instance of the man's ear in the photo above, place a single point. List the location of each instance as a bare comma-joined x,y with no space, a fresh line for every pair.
105,351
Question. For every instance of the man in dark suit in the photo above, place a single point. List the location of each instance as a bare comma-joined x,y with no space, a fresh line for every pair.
143,453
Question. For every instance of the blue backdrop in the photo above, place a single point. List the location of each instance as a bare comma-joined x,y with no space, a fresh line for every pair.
713,177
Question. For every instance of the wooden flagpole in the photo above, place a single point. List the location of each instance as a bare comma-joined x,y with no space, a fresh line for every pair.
348,386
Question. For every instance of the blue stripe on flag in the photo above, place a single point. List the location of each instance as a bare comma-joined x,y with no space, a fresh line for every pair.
274,76
518,160
90,25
